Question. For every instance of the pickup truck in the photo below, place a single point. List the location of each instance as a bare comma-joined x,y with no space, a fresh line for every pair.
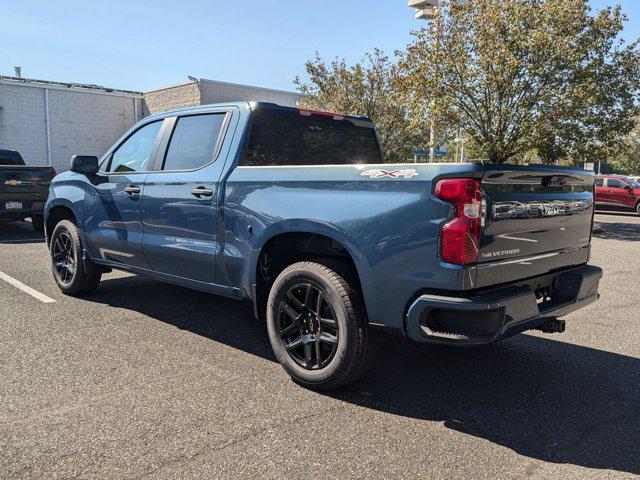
294,210
23,189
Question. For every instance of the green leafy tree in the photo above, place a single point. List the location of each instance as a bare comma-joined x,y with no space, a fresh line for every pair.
518,75
368,89
627,158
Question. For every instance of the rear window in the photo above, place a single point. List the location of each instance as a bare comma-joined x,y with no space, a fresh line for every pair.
9,157
288,137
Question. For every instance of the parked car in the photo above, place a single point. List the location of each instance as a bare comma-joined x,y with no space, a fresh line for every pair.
23,189
295,211
618,192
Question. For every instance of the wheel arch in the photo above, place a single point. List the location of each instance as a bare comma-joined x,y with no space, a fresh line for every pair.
281,246
56,213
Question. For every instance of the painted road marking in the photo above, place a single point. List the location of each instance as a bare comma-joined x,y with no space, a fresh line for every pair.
26,289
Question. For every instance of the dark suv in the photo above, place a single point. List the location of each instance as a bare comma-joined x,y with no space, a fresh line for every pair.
617,191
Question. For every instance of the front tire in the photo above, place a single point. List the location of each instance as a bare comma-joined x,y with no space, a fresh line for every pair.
317,326
66,261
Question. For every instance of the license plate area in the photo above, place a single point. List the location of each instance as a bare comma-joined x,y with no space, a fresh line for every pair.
13,205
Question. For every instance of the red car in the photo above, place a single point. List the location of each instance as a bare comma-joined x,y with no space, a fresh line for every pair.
617,191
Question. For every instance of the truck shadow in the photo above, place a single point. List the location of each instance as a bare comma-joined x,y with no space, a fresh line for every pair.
19,232
542,398
629,232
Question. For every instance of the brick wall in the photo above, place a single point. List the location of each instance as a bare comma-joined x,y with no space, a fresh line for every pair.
22,123
81,122
86,124
171,98
220,92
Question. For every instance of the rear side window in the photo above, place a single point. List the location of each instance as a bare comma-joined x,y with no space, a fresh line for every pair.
134,154
10,157
599,182
194,140
289,137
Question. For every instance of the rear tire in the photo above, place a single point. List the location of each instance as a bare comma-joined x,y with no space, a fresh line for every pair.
37,221
66,261
317,326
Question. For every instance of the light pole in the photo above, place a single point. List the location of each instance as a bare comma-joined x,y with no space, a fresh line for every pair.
430,10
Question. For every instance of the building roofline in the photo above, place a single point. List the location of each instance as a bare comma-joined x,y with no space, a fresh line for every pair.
73,87
228,84
264,89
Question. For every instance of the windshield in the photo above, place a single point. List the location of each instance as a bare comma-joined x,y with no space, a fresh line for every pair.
292,137
633,183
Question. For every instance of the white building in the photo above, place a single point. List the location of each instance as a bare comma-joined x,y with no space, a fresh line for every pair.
48,122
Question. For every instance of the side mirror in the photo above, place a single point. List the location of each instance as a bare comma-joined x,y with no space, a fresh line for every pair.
84,164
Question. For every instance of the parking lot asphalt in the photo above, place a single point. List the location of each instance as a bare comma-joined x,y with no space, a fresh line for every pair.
147,380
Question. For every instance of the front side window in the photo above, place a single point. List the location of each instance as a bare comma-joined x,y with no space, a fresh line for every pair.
291,137
134,154
194,140
613,183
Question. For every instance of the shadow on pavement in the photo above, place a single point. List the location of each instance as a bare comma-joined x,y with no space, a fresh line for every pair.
629,232
542,398
19,232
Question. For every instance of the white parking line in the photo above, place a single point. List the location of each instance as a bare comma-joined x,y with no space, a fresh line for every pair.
28,290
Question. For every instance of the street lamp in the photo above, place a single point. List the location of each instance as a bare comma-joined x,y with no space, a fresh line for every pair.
430,10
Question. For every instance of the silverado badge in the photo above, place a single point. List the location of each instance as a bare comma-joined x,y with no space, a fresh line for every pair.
407,174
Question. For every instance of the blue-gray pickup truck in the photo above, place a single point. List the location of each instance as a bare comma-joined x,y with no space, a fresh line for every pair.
294,210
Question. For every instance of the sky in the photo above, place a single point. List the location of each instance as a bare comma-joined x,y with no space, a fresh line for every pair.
141,45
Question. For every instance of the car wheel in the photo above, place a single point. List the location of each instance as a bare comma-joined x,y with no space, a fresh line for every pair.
66,261
317,326
37,221
638,208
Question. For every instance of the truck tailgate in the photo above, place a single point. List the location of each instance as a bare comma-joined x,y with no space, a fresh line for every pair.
537,219
29,185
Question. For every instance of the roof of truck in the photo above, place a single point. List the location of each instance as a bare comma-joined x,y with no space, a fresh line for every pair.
253,106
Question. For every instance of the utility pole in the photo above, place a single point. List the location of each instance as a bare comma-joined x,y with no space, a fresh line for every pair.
430,10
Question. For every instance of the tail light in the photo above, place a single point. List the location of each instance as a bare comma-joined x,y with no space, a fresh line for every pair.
53,174
459,239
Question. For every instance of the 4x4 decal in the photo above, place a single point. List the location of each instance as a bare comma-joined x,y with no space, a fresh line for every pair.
374,174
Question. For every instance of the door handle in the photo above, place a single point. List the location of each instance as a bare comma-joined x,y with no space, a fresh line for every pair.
202,192
132,191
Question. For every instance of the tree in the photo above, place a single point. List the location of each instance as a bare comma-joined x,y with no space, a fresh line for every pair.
627,159
518,75
367,89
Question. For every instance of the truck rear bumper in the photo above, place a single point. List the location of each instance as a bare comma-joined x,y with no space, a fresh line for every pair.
491,315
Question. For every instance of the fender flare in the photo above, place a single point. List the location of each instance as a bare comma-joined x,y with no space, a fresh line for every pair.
312,227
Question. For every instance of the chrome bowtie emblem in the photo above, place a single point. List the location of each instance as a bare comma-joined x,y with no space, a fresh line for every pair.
406,174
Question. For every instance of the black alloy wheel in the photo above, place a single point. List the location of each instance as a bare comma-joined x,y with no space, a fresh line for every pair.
74,274
317,324
308,326
64,258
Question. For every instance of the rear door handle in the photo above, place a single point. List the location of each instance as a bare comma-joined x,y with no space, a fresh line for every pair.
132,191
202,192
